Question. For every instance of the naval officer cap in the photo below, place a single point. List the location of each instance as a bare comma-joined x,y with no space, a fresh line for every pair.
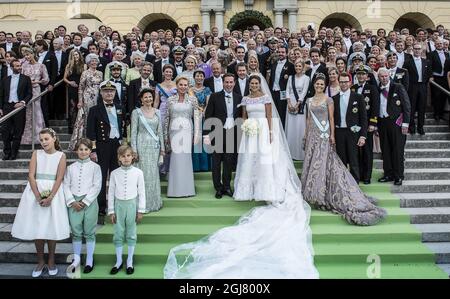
115,65
363,69
178,50
107,85
358,56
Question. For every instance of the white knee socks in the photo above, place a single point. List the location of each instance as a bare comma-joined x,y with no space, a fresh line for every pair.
130,256
119,251
90,247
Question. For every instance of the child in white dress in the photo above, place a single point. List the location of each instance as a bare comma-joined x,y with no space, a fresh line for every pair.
42,213
126,187
82,184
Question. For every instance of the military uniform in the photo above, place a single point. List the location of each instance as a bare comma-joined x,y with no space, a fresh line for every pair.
105,127
372,105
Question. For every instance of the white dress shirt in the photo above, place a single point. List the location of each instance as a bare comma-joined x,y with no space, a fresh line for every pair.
242,84
13,98
278,70
42,56
400,59
10,71
83,177
164,61
9,46
383,102
114,132
392,72
348,43
360,87
314,69
229,123
343,104
218,84
58,55
126,183
145,82
442,58
118,84
418,63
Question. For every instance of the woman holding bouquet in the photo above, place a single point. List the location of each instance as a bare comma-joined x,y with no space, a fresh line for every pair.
42,213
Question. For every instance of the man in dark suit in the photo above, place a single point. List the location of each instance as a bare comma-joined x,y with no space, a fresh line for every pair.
420,72
393,124
15,91
104,128
402,57
372,108
222,135
178,63
48,59
77,41
157,68
397,74
316,68
350,119
242,85
9,45
215,82
279,75
144,50
438,99
240,55
58,103
137,84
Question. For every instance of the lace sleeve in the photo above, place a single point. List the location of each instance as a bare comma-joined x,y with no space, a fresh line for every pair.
197,116
266,99
330,101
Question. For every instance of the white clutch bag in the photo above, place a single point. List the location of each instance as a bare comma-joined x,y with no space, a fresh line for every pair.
161,160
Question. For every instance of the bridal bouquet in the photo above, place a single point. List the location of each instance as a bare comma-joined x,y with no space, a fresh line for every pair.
45,194
250,127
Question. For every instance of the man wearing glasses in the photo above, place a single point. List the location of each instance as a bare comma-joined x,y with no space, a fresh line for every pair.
420,72
350,120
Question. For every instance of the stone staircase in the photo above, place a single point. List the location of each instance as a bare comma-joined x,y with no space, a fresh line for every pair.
425,193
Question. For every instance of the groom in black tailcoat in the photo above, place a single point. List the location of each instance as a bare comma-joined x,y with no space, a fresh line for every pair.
220,132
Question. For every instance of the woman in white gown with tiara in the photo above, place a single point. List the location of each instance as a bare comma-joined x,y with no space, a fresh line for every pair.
272,241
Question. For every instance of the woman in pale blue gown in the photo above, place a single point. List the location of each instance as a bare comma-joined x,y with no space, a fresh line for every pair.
200,158
147,141
162,93
182,126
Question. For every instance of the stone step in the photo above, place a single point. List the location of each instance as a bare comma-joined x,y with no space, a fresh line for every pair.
64,145
427,153
54,122
22,163
424,200
436,128
24,270
26,154
413,163
430,115
25,252
429,215
433,122
430,144
9,199
445,267
426,174
430,136
435,232
422,186
442,251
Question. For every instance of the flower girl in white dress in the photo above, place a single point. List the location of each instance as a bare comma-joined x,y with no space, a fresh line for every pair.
42,213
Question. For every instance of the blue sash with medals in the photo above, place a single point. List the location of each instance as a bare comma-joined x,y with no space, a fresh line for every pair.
147,126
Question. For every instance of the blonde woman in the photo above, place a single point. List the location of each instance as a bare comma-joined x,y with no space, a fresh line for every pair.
190,63
181,129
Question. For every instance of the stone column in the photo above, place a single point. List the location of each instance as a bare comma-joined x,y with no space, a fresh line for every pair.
292,20
219,20
206,21
278,17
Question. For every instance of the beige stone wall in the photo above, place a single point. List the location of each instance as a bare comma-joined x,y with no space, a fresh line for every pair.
122,16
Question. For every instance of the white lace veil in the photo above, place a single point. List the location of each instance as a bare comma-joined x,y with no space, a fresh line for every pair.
272,241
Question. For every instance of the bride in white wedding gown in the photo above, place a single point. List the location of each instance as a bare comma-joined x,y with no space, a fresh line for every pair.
272,241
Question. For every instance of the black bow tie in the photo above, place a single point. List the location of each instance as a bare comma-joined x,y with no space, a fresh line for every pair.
109,105
177,65
117,81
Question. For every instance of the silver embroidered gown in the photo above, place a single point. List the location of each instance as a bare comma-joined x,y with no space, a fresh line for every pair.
326,182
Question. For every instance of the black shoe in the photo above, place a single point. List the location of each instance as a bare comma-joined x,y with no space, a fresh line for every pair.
218,194
88,269
366,182
130,270
6,157
420,131
13,157
398,182
385,179
412,131
227,192
101,213
115,270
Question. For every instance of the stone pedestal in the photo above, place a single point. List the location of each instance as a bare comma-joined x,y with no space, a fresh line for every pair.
206,21
219,20
278,17
292,20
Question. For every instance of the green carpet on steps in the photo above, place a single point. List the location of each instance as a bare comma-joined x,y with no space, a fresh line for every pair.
341,250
